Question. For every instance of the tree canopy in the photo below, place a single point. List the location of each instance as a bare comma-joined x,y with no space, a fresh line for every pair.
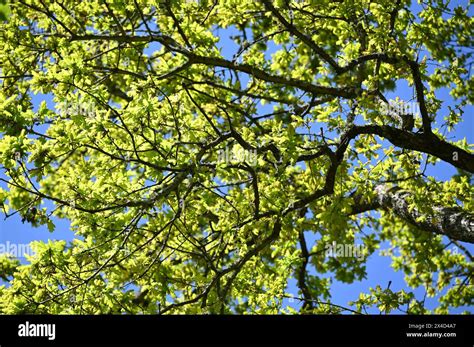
208,152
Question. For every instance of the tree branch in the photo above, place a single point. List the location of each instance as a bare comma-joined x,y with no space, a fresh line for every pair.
306,39
425,142
450,221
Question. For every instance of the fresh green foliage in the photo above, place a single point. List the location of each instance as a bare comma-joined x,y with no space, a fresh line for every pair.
4,10
147,98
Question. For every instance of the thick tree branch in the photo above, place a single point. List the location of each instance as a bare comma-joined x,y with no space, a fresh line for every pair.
302,272
426,143
265,76
450,221
260,74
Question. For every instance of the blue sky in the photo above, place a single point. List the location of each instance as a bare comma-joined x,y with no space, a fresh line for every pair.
378,267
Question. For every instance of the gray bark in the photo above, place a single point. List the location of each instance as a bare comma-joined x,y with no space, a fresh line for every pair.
450,221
